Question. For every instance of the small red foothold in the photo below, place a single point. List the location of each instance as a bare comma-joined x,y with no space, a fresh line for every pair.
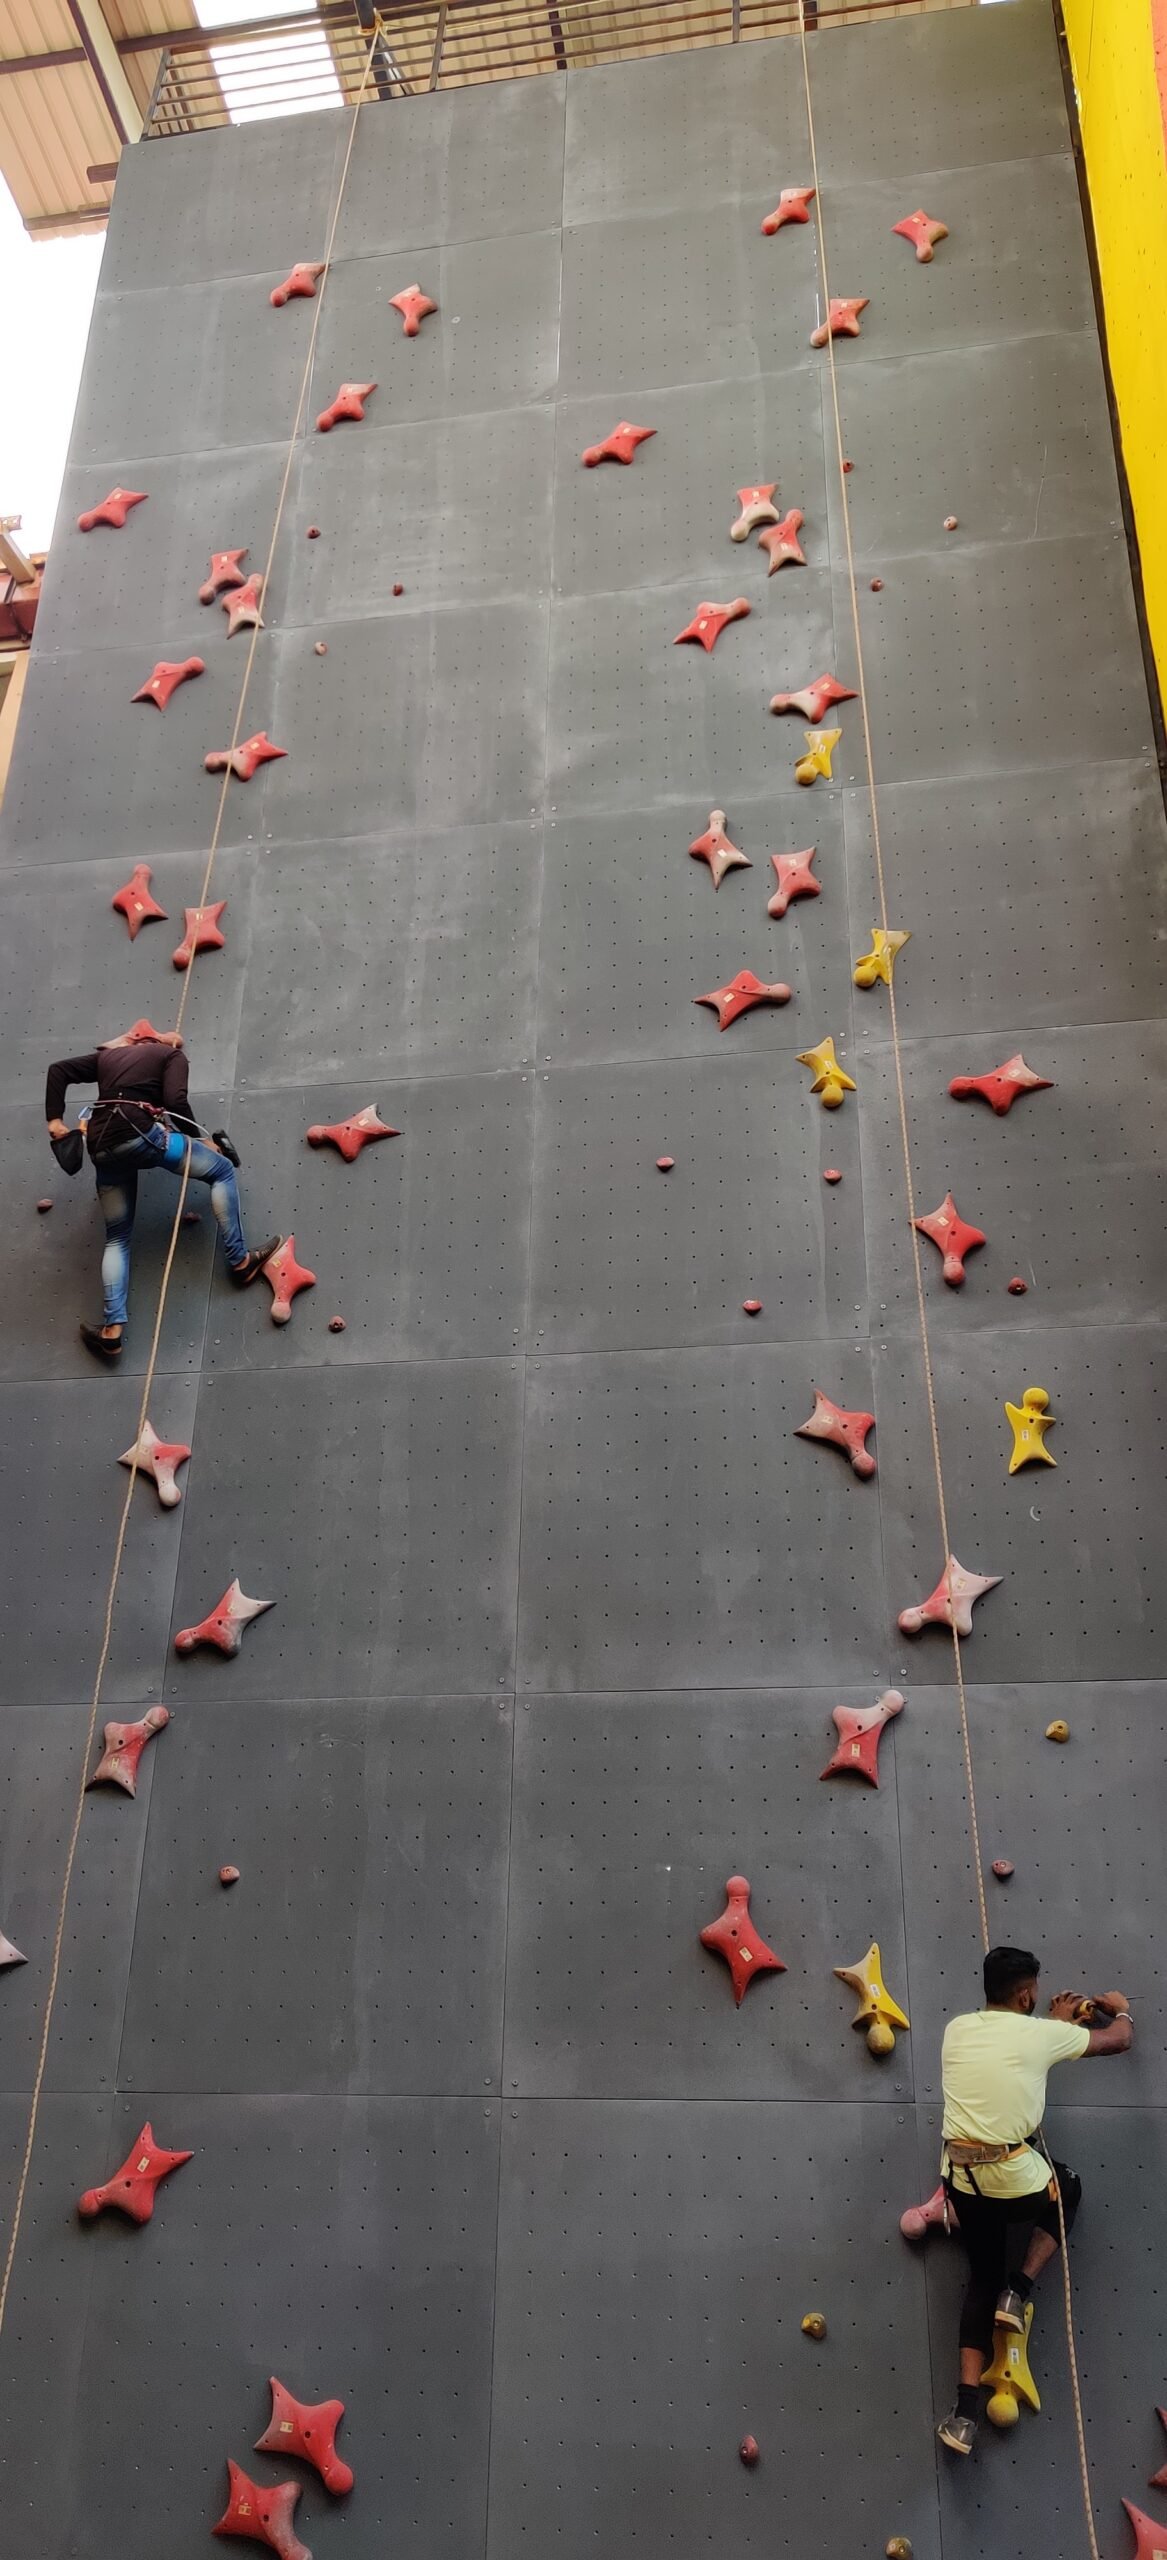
201,933
618,447
241,606
225,572
751,1306
1017,1287
398,589
44,1207
133,2187
938,2214
349,403
832,1174
923,233
113,510
781,544
1002,1869
815,700
308,2431
321,648
710,620
349,1136
123,1745
287,1277
715,848
167,676
950,524
259,2514
302,281
793,205
664,1164
953,1237
157,1458
842,320
1159,2478
134,901
749,2448
844,1430
414,306
735,1937
1001,1088
224,1625
313,533
856,1753
740,994
246,760
848,466
228,1875
190,1218
795,880
336,1324
876,586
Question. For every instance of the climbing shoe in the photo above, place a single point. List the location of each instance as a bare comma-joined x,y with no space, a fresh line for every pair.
959,2434
1010,2311
104,1346
243,1273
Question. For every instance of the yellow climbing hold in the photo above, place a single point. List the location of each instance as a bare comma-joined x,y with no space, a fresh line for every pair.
899,2548
1030,1421
1058,1731
876,2006
820,747
1009,2376
814,2325
881,959
831,1081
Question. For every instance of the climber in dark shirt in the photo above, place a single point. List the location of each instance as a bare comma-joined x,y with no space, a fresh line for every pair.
141,1121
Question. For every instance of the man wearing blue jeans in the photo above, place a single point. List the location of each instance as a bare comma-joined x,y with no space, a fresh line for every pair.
141,1123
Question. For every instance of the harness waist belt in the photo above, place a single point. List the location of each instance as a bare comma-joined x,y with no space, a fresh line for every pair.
983,2155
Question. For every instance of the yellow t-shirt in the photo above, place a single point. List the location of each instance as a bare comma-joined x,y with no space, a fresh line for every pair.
993,2065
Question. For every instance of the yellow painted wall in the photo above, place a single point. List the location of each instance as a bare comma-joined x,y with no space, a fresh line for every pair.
1113,52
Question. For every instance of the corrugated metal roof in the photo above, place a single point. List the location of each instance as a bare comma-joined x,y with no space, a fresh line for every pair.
54,122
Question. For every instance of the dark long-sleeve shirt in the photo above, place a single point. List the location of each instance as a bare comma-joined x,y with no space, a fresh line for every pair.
145,1071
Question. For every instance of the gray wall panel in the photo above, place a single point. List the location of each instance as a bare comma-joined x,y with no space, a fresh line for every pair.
456,510
662,137
185,368
108,588
682,297
471,164
46,2317
1012,266
201,209
943,95
491,344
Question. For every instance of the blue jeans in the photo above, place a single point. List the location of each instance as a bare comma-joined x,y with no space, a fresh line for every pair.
117,1189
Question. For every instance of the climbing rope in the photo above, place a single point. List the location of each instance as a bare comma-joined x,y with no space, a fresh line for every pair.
152,1361
921,1303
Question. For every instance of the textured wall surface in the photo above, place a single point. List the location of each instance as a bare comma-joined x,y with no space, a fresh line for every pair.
562,1607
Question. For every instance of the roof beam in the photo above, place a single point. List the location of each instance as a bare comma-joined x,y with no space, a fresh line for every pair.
101,50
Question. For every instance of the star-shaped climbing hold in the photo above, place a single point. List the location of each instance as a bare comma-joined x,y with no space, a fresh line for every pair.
619,446
224,1625
951,1603
135,903
755,506
201,933
8,1953
793,205
844,1430
856,1753
1001,1088
1150,2538
876,2006
831,1081
168,675
935,2214
122,1748
349,403
740,995
349,1136
1029,1422
842,320
780,542
879,962
735,1937
795,880
241,606
133,2187
158,1459
307,2430
113,510
255,2513
287,1277
225,572
815,765
246,760
414,306
815,700
1159,2478
710,620
714,847
301,280
953,1237
923,233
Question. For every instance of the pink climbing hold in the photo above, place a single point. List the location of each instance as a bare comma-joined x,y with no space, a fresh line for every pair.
144,1029
951,1603
167,676
751,1306
225,572
748,2451
135,903
735,1937
780,542
1002,1869
349,1136
740,995
9,1954
714,847
664,1164
618,447
710,620
133,2188
923,233
856,1753
336,1324
200,933
113,510
228,1876
301,280
159,1459
844,1430
223,1626
1150,2538
287,1278
755,506
246,760
953,1237
832,1174
349,403
241,605
259,2514
123,1745
793,205
414,306
795,879
1001,1088
43,1208
936,2215
815,700
842,320
308,2431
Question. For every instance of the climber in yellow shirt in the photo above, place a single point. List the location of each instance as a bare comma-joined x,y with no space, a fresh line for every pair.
993,2065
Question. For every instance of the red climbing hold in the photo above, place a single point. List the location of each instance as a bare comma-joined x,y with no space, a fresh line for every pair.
113,510
313,534
953,1236
43,1208
336,1324
287,1277
842,321
795,879
1002,1869
349,1136
349,403
225,1624
168,675
856,1753
735,1937
951,1603
923,233
123,1748
133,2187
1159,2478
781,542
9,1954
751,1306
832,1174
228,1875
793,205
255,2514
664,1164
846,1431
201,933
755,506
241,606
1017,1287
748,2451
398,589
936,2215
710,620
414,306
740,994
246,760
1001,1088
1150,2538
301,280
143,1029
308,2431
135,903
815,700
714,847
619,446
225,572
159,1459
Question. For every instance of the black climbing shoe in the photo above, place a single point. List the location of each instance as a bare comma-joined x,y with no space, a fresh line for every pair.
243,1273
1010,2311
104,1346
959,2434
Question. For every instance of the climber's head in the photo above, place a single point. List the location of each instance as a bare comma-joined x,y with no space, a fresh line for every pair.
1011,1979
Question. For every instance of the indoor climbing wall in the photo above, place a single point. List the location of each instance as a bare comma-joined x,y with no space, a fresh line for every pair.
570,1598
